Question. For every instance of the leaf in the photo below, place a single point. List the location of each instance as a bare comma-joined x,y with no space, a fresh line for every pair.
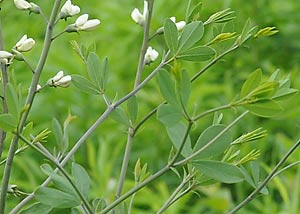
56,198
176,133
132,108
60,182
201,53
93,68
81,178
184,87
284,93
218,147
169,115
251,83
223,172
85,85
191,34
58,133
246,33
264,108
37,208
12,101
167,86
27,130
119,115
171,35
104,74
8,122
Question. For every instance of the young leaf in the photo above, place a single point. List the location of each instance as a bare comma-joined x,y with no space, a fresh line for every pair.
104,74
223,172
27,130
93,67
264,108
251,83
56,198
171,35
176,134
81,178
132,108
37,208
284,93
191,34
85,85
169,115
218,147
167,86
201,53
58,133
8,122
12,101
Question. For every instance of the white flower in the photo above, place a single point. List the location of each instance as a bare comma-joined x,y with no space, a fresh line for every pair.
180,25
22,4
151,55
25,44
68,9
5,57
38,88
138,17
82,23
60,80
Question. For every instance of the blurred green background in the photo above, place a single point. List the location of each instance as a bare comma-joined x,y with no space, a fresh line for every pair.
119,38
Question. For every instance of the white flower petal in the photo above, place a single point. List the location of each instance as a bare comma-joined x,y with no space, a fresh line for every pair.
22,4
21,41
151,55
81,20
90,24
180,25
64,81
137,16
58,76
5,55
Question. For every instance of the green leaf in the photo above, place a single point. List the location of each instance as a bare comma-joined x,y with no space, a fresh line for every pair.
8,122
193,14
81,178
12,101
104,74
264,108
56,198
169,115
119,115
223,172
37,208
167,86
176,133
60,182
27,130
218,147
93,68
85,85
132,108
251,83
99,204
201,53
246,33
171,35
58,133
184,87
284,93
191,34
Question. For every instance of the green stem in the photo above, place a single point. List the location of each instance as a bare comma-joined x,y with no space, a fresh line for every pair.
137,82
211,111
14,144
43,151
212,141
267,179
150,178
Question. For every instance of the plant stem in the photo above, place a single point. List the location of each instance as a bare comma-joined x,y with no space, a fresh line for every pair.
212,141
211,111
4,83
213,62
14,144
43,151
137,82
267,179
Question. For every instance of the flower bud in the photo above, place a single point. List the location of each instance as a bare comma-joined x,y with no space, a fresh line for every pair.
25,44
151,55
138,17
59,80
22,4
83,24
68,10
5,57
179,25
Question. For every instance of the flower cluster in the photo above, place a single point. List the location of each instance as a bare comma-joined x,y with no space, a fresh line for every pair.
60,80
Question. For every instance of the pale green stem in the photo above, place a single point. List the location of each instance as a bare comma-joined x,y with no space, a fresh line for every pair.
14,144
137,82
211,111
267,179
